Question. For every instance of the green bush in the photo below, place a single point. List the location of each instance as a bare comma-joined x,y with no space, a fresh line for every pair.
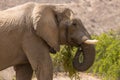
63,60
107,63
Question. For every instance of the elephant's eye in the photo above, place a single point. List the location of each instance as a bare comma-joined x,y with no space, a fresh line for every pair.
74,24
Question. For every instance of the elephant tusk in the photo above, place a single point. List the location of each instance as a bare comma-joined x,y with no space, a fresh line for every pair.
91,41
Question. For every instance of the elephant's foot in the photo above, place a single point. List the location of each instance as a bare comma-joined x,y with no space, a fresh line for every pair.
23,72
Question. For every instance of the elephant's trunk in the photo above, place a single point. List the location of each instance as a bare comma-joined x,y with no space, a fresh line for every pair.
88,51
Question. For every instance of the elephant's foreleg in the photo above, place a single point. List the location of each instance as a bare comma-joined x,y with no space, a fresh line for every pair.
38,55
44,70
23,72
42,65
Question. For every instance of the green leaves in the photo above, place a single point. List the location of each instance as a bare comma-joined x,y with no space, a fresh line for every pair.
107,63
108,56
64,59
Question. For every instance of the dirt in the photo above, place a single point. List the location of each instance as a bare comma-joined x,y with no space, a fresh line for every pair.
82,76
9,74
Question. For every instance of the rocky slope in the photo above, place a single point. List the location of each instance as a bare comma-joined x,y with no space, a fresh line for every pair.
97,15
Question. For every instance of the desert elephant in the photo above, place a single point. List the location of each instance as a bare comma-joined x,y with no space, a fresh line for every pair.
28,33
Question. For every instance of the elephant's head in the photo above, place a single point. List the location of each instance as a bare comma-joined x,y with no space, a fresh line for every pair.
73,32
58,27
46,20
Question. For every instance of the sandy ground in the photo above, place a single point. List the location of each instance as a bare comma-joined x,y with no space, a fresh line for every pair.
83,76
9,74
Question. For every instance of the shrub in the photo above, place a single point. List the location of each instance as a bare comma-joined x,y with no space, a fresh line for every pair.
107,63
107,60
63,60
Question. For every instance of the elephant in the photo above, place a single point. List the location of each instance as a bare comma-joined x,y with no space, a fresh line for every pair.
29,32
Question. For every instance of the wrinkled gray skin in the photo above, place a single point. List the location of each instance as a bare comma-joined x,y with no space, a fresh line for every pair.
29,31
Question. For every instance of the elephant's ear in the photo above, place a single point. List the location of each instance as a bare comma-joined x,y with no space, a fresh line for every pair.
45,25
